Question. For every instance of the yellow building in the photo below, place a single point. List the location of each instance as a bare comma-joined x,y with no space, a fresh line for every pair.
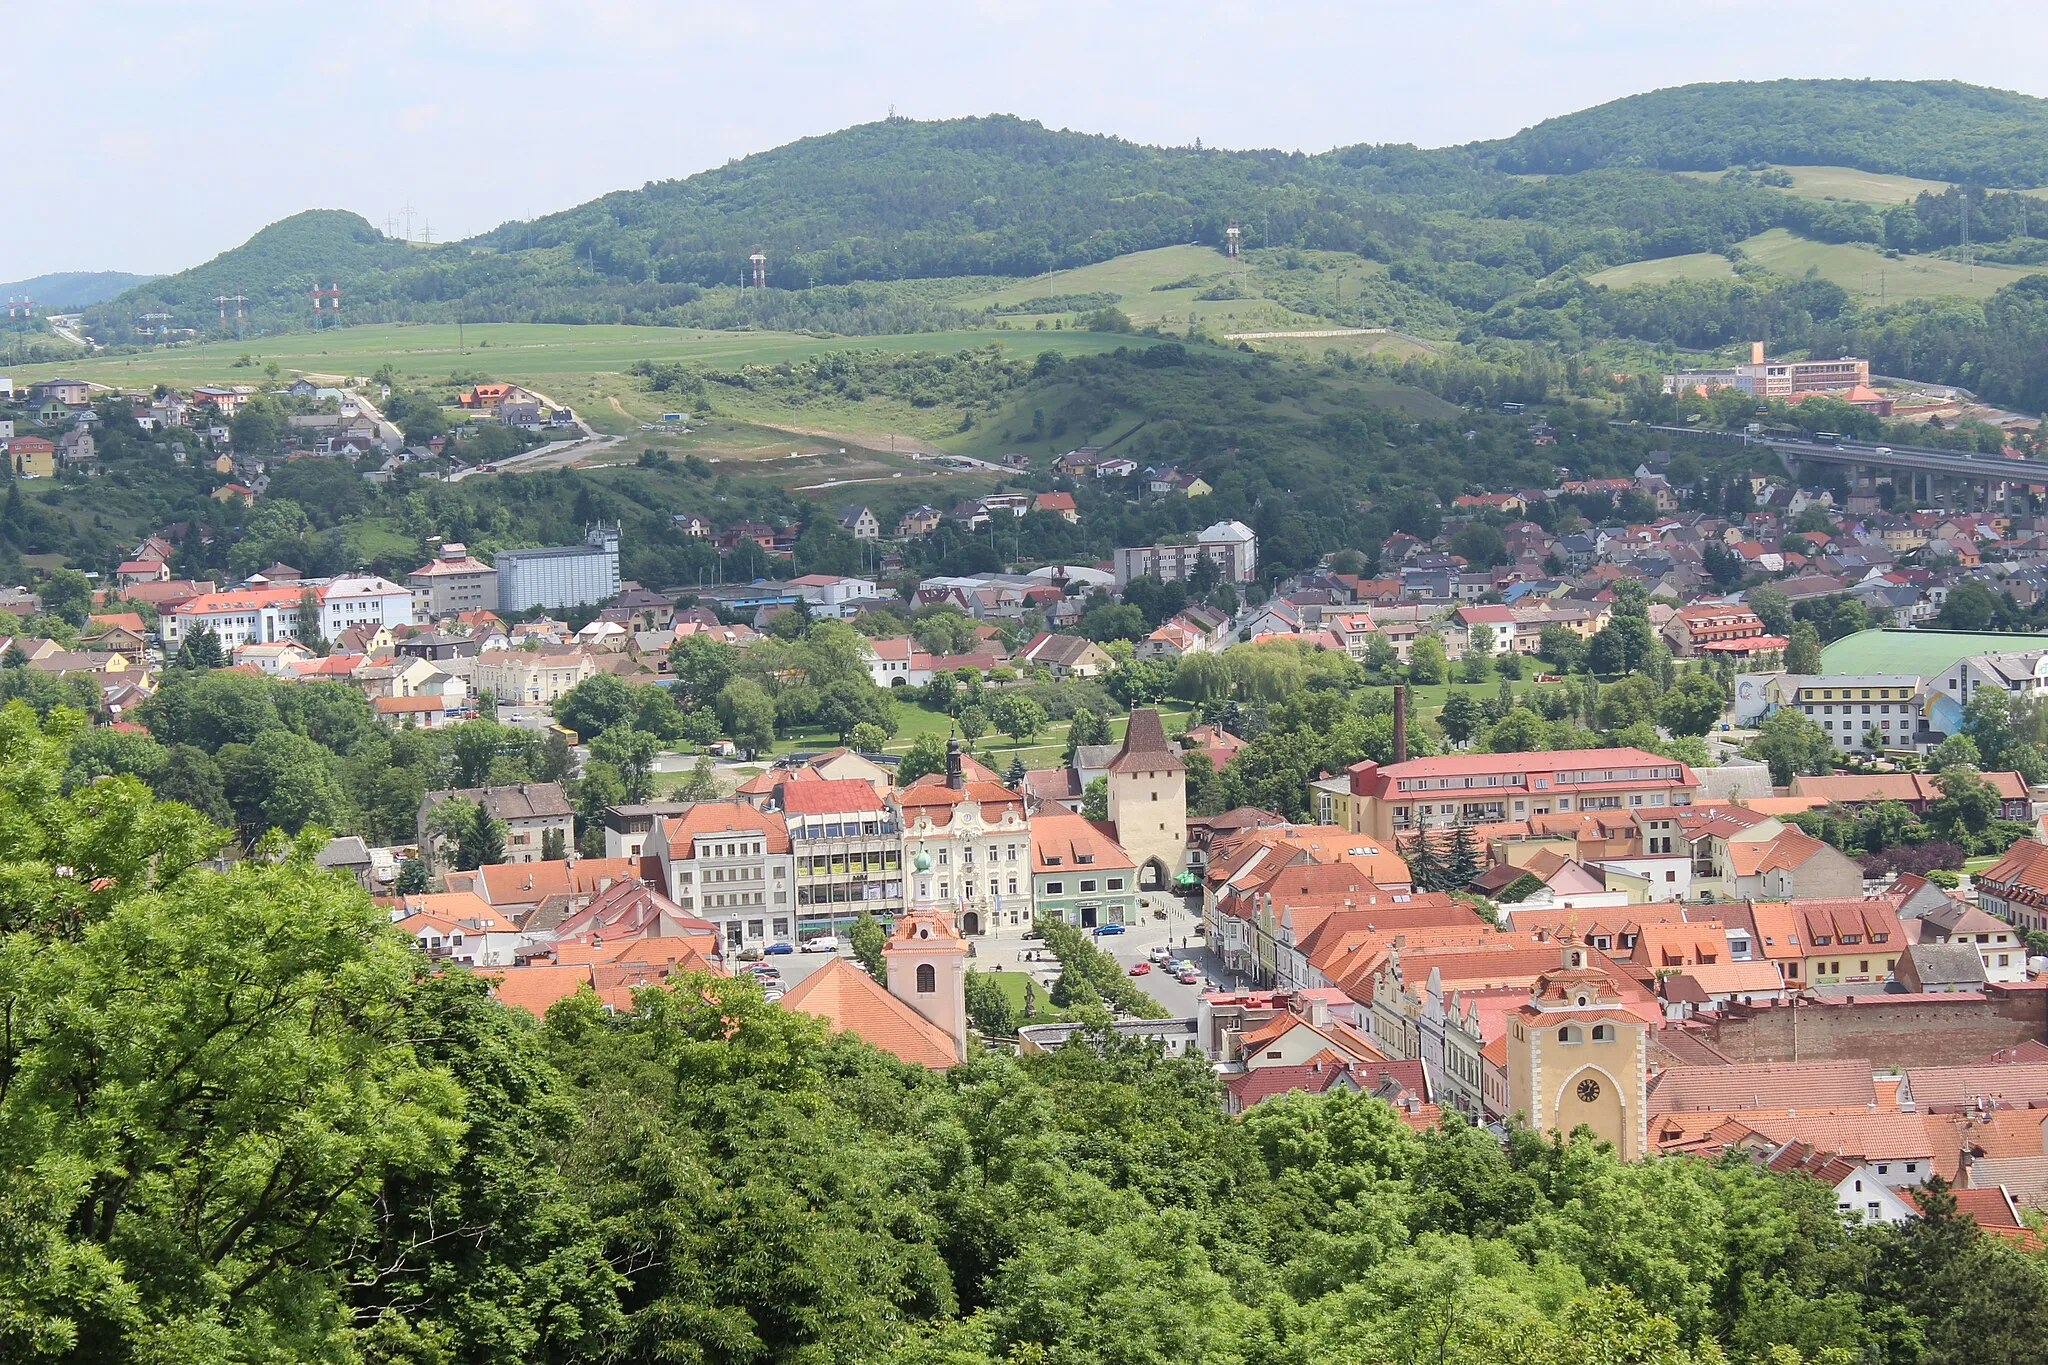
1577,1057
32,457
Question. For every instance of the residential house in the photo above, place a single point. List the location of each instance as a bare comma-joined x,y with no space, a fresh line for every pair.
1060,505
1068,656
2002,947
519,677
2015,888
529,811
921,520
1079,874
1793,864
860,523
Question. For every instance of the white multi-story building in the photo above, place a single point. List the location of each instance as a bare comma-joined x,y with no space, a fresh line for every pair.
522,677
562,576
266,615
238,617
362,600
830,594
975,832
728,863
1233,546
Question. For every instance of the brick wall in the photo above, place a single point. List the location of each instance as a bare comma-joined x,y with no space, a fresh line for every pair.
1901,1033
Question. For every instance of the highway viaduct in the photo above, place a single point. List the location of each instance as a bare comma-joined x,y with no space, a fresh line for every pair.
1959,480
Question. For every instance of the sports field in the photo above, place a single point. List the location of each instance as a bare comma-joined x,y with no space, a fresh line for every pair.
1923,653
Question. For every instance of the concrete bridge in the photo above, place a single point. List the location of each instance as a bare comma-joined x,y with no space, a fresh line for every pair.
1961,480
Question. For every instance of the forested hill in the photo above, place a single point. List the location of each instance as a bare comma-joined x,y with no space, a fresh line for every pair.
974,196
884,227
1939,130
72,288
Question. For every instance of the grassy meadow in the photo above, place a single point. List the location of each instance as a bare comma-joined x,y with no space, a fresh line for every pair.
1699,266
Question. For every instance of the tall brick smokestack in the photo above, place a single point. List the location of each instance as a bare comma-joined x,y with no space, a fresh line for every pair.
1400,724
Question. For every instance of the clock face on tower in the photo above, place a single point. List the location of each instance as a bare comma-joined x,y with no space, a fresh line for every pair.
1589,1090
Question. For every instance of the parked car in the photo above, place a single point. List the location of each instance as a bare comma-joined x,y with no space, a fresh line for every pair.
1160,956
1140,968
780,949
751,955
823,943
762,970
1189,978
1105,930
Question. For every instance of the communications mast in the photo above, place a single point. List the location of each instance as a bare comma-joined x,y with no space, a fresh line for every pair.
1230,239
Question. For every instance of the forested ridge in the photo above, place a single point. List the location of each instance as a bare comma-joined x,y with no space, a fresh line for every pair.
895,226
1006,197
240,1120
1937,130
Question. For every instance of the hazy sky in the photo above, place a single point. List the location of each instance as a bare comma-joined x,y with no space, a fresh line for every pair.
177,129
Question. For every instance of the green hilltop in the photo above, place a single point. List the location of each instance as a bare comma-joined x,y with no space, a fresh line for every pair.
72,288
1941,130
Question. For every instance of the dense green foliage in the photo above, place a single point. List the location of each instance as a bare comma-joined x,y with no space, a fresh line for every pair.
1940,130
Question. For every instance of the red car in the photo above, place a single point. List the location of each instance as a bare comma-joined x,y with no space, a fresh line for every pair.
1140,968
1189,978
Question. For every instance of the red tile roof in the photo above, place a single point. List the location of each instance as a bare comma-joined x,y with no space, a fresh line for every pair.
851,1001
816,795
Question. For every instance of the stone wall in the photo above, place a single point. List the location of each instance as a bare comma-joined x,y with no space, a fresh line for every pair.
1891,1032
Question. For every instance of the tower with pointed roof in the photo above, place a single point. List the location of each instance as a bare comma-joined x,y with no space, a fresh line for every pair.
1148,800
925,963
1578,1057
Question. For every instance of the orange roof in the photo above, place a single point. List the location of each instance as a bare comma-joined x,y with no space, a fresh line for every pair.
851,1001
1686,943
533,989
399,706
464,907
1782,805
120,620
505,884
814,795
243,599
708,819
1788,850
1763,1085
1061,841
1727,978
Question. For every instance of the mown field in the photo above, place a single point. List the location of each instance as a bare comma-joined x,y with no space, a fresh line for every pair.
1165,287
1862,270
530,353
1697,266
